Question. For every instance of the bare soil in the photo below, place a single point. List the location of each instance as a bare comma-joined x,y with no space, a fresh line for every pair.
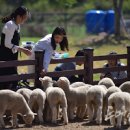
75,125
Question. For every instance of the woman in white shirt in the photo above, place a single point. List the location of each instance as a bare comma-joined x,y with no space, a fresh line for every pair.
48,44
10,39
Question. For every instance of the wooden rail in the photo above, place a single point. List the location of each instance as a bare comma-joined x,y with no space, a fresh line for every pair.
88,71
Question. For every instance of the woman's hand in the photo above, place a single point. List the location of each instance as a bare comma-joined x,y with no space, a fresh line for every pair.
43,72
27,52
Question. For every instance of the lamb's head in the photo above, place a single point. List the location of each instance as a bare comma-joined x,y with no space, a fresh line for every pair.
28,118
46,82
63,83
108,82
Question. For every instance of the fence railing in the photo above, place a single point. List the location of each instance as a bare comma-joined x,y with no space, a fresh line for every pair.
88,70
18,77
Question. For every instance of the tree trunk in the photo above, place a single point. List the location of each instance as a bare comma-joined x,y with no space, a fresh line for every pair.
118,9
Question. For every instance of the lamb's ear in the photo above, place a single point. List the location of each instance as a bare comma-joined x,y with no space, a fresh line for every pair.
40,79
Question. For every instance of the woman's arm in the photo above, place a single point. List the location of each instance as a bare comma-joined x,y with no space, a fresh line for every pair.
25,51
9,30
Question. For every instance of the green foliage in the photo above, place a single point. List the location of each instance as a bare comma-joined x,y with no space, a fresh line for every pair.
60,5
126,7
40,5
63,3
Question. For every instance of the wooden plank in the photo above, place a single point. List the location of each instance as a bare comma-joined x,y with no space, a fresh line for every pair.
4,64
74,59
16,77
102,70
109,57
65,73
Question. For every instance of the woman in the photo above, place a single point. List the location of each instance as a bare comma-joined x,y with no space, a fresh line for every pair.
49,44
10,39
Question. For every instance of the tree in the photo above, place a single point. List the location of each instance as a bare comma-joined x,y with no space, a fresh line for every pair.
118,10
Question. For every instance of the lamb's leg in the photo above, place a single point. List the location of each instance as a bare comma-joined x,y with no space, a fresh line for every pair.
71,112
99,115
112,121
78,112
119,114
40,115
95,107
2,124
90,111
54,114
15,122
83,111
127,116
119,119
65,116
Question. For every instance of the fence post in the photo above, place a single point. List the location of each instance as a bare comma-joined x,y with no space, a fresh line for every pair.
38,67
88,65
128,62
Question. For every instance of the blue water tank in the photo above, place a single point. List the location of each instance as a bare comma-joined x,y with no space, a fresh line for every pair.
110,21
95,21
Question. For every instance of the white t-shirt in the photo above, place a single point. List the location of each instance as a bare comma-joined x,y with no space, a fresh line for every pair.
44,44
9,28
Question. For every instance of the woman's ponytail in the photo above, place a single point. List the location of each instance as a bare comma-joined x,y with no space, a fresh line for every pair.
6,19
19,11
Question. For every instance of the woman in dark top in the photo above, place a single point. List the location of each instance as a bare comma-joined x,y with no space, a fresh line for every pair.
9,46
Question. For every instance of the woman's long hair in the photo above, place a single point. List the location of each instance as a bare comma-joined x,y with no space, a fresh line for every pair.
21,11
64,43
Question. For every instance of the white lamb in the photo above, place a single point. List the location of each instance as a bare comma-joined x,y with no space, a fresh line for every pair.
110,90
80,110
95,101
55,97
25,92
14,102
125,87
118,107
37,102
76,97
108,82
77,84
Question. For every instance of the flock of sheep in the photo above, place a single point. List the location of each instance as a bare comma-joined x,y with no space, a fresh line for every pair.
61,99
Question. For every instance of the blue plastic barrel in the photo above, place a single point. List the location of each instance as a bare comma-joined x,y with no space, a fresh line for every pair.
95,21
110,21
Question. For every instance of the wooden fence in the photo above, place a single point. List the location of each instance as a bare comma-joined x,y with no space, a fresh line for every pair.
88,71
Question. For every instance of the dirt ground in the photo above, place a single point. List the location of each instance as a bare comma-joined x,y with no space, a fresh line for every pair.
76,125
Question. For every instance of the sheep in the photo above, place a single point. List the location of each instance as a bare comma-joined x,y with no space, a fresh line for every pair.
25,92
77,84
55,96
76,97
80,110
110,90
95,101
108,82
37,102
118,107
125,87
14,102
